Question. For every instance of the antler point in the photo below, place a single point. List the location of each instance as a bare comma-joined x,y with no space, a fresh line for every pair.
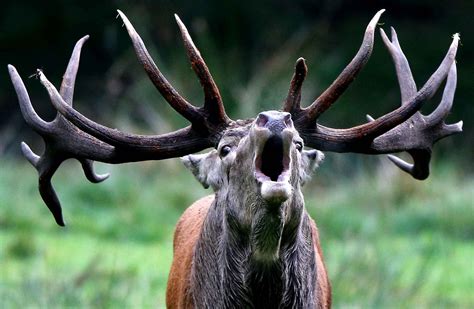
32,157
120,13
301,64
178,20
456,127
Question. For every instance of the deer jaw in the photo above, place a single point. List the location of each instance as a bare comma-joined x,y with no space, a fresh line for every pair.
272,137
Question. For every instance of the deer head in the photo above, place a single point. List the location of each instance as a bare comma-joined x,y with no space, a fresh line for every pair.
262,158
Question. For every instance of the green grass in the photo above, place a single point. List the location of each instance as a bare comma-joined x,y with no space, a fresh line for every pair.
389,241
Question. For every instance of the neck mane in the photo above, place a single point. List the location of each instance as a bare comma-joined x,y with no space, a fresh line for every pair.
265,264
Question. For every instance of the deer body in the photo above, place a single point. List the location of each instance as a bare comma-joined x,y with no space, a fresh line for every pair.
256,245
252,244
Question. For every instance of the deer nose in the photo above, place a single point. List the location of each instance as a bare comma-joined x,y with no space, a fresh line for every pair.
274,121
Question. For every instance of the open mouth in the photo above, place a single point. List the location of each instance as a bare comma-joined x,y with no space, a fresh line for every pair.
272,161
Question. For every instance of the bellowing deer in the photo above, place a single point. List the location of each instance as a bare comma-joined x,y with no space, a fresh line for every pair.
252,243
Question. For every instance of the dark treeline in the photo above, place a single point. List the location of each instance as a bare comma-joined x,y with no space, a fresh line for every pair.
250,47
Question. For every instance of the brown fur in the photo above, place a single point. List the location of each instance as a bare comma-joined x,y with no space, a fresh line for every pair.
186,236
323,286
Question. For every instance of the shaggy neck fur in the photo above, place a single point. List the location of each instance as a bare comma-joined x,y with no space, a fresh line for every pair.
263,261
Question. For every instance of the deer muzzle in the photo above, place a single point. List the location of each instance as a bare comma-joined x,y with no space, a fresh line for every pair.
272,135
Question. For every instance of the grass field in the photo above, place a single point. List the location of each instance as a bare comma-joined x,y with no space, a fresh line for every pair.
389,241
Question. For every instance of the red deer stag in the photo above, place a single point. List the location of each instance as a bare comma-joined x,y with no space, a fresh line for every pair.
252,244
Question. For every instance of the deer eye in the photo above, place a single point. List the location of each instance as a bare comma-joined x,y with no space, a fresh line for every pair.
299,146
225,150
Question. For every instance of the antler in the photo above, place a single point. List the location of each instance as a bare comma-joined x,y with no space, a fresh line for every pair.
57,149
93,141
403,129
426,130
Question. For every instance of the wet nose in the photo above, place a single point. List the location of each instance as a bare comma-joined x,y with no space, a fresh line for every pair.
274,121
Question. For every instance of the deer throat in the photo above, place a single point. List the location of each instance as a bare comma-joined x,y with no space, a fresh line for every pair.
266,233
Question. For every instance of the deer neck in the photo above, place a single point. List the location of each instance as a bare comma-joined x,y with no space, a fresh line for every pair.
264,262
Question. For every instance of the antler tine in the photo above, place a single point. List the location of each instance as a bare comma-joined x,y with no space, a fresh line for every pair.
443,109
27,110
88,168
47,191
437,117
212,98
67,93
402,67
46,165
293,100
32,157
183,107
29,114
420,169
69,78
342,82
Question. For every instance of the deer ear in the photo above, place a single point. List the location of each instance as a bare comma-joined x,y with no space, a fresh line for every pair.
205,167
310,161
315,157
194,163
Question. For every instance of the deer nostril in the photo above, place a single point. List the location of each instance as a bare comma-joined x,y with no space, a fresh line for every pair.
262,120
312,154
275,121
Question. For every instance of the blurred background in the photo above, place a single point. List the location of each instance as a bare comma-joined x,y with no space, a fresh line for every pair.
389,240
